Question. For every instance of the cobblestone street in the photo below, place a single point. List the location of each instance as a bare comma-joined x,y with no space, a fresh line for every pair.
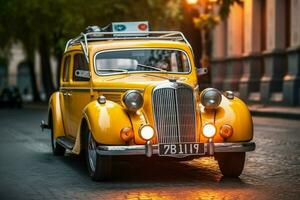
28,170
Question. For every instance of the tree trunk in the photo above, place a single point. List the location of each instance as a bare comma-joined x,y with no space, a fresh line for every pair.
58,59
35,92
193,35
205,58
47,80
30,62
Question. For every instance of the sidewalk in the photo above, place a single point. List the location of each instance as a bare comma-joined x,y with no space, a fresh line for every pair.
275,111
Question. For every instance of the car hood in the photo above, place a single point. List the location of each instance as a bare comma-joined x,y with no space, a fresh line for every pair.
139,81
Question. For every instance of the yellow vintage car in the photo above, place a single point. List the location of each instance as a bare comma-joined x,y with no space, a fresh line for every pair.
136,93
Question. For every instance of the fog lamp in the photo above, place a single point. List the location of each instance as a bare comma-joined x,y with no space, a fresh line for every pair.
146,132
126,134
226,131
209,130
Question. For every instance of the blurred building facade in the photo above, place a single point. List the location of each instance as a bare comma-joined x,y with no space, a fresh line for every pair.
256,52
15,72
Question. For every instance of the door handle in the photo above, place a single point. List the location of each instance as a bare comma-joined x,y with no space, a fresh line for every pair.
67,94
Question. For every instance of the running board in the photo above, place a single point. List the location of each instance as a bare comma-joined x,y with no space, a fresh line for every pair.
65,142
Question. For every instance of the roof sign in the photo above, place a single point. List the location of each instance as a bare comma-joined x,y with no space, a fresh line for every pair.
138,27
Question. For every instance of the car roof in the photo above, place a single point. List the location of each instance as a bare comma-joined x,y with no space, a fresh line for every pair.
123,44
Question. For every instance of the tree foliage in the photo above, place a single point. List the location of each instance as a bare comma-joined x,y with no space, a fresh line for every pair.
225,7
208,20
46,25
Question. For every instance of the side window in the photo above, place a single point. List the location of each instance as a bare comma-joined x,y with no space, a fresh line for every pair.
81,69
66,69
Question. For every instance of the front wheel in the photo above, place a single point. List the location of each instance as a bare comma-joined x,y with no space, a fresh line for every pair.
231,164
99,167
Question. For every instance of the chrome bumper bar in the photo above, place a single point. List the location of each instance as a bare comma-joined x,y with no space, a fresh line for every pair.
150,149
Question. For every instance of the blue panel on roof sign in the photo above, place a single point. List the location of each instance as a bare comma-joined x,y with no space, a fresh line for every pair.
138,28
119,27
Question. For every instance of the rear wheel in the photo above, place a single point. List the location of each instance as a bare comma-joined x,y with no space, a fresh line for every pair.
231,164
57,149
99,166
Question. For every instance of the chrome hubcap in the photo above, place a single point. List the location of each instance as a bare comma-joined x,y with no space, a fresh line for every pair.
92,152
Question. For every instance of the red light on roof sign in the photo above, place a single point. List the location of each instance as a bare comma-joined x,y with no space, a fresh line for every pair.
143,27
132,28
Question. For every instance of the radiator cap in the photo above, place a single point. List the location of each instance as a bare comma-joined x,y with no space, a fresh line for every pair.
173,79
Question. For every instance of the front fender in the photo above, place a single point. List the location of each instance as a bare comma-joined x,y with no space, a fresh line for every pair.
106,121
233,112
55,115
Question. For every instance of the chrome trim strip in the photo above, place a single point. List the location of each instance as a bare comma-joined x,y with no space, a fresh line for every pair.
234,147
116,89
99,89
177,116
141,149
74,90
125,150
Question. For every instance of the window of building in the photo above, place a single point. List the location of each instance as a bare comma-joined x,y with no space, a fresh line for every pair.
263,25
287,23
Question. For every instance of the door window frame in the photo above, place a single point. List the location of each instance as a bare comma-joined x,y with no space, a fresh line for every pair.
63,68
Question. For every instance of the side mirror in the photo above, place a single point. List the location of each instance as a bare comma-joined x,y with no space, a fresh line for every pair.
202,71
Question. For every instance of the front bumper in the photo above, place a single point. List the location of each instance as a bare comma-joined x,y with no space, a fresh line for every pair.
152,149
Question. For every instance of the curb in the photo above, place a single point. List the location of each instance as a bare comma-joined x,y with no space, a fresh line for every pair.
275,114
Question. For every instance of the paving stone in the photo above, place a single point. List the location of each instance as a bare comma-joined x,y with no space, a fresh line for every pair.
28,170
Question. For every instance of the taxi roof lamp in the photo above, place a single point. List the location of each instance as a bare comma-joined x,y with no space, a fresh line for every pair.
138,27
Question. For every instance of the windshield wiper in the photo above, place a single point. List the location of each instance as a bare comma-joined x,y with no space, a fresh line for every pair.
112,70
151,67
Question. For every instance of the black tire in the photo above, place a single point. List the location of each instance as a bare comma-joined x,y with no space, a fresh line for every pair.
57,149
99,167
231,164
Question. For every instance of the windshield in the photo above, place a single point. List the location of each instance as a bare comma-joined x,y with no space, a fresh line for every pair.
145,60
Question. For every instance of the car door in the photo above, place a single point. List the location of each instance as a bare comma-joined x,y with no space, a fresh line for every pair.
65,92
79,91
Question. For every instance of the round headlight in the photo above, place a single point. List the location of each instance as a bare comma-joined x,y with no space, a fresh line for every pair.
133,100
146,132
210,98
209,130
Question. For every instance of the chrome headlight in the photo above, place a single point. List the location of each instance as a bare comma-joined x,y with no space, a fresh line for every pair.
133,100
210,98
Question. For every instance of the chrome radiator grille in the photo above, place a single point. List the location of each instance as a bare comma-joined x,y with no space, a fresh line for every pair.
174,112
